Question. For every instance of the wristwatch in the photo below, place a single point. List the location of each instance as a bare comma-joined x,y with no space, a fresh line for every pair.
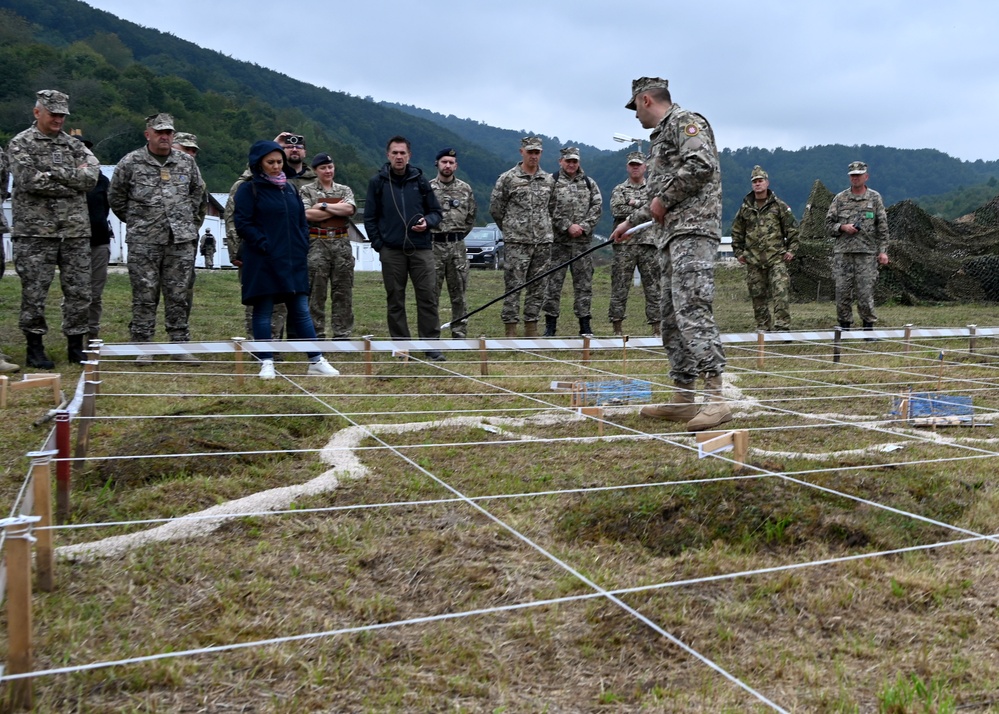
323,205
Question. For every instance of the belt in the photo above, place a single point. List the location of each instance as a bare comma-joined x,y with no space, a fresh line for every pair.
448,237
327,234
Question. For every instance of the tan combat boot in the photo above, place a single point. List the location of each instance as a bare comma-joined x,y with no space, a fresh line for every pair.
682,408
7,366
616,324
715,409
511,329
531,328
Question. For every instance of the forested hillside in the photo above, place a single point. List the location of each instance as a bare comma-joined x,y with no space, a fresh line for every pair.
117,72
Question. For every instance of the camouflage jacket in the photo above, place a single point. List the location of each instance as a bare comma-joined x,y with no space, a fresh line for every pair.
685,175
519,205
160,203
576,200
625,198
313,193
457,206
50,188
4,195
866,212
763,234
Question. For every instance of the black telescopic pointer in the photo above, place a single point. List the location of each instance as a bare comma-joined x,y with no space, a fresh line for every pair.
545,274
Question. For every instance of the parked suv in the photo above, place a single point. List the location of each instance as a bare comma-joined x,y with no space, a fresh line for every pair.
484,247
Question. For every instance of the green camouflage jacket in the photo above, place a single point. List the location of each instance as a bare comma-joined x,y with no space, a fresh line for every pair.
519,205
867,212
574,200
763,234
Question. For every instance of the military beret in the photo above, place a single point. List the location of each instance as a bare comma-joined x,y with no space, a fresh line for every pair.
570,152
636,157
531,142
185,139
644,84
54,101
758,173
321,159
858,167
446,152
159,122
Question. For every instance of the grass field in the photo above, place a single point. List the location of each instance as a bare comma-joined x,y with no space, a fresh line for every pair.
464,542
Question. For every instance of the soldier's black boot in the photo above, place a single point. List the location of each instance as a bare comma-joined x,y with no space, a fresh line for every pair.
846,325
584,326
74,348
551,323
36,356
869,326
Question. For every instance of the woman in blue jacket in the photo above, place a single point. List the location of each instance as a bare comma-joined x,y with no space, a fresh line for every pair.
274,248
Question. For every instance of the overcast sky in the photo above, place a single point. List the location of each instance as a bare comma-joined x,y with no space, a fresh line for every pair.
909,74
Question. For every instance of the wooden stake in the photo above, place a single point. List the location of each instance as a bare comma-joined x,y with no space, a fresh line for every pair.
908,337
62,466
598,414
239,360
41,484
760,349
483,357
586,349
19,625
972,339
710,442
368,357
837,338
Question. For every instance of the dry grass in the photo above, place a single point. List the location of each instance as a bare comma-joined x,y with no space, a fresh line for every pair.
907,632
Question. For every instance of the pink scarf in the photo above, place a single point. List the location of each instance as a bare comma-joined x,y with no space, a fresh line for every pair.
280,180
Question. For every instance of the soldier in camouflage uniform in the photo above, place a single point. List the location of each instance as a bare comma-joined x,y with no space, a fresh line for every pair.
157,191
858,225
685,193
519,205
639,250
52,174
298,174
328,208
765,239
208,249
6,365
459,209
188,143
575,207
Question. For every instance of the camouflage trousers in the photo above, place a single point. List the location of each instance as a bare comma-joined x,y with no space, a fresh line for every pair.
35,260
690,334
331,271
156,269
523,261
99,258
209,259
452,266
194,276
626,258
770,289
582,279
855,275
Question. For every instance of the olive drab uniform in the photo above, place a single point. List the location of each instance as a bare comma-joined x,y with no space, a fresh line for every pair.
51,226
458,209
684,173
639,251
160,203
208,246
762,235
574,200
855,265
519,205
331,262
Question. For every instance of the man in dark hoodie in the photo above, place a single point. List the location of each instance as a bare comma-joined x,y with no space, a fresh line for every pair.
399,211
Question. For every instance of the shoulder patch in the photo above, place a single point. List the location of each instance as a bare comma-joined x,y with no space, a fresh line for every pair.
691,130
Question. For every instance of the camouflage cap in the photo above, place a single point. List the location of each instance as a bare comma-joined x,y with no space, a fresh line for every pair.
644,84
531,143
54,101
857,167
159,122
636,157
569,152
185,139
758,173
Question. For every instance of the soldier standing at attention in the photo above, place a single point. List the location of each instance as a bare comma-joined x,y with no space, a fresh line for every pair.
685,199
208,246
576,206
519,205
188,143
52,174
639,251
459,209
328,208
765,239
157,191
858,225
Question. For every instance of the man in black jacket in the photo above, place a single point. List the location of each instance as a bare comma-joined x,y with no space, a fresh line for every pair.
100,247
399,211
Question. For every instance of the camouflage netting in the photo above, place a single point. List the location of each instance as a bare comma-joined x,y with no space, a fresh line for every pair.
932,260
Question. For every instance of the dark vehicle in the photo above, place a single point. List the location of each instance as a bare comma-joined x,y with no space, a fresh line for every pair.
484,247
